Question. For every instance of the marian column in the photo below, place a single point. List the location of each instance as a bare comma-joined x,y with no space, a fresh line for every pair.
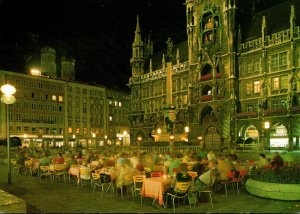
169,110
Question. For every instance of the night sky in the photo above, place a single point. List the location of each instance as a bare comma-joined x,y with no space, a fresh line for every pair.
97,33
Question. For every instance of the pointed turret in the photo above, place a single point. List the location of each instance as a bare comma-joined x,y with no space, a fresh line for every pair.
138,37
137,61
163,62
177,57
150,65
292,21
263,30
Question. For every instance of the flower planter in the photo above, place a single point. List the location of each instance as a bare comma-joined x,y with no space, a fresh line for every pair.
273,190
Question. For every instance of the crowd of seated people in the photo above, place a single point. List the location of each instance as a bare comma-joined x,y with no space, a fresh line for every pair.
124,164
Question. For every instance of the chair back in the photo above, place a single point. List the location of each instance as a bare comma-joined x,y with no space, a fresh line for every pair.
138,180
95,176
182,187
59,167
84,171
44,168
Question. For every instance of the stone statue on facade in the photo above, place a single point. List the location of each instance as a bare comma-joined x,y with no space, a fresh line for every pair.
169,50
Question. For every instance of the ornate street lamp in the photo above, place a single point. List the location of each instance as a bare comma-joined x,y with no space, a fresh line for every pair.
8,99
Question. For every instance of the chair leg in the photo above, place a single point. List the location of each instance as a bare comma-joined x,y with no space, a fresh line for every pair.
212,205
173,204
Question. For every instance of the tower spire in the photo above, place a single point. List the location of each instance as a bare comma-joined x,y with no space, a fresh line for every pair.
137,38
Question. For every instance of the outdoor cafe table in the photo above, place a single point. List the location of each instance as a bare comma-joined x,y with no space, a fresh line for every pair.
155,188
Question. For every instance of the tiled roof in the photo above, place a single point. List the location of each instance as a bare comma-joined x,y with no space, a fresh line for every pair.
157,57
277,19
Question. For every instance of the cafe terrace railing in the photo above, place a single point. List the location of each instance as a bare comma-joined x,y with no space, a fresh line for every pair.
172,149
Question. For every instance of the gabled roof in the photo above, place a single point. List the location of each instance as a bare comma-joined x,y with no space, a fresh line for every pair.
157,57
277,19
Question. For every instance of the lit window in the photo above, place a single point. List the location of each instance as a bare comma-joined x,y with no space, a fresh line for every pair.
249,88
77,130
110,118
257,87
60,98
185,99
70,130
116,103
54,97
120,104
275,84
209,92
84,130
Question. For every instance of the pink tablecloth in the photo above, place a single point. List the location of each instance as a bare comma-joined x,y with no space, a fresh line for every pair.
155,188
74,171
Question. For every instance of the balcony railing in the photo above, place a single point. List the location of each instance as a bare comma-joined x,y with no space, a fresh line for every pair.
279,111
206,76
296,109
206,97
249,114
218,75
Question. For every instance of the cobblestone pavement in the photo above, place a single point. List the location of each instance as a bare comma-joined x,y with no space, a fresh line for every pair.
61,197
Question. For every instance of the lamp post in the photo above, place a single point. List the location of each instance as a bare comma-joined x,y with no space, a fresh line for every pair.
94,140
172,137
75,143
187,130
8,99
200,141
105,139
267,126
139,138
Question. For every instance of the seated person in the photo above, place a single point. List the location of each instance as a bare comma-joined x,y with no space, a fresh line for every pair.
181,176
206,178
277,161
198,167
223,168
263,161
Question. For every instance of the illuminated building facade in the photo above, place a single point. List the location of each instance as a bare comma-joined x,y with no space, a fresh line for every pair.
228,80
51,111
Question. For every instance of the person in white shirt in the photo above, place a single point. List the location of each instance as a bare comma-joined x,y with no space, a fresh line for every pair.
205,179
211,156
